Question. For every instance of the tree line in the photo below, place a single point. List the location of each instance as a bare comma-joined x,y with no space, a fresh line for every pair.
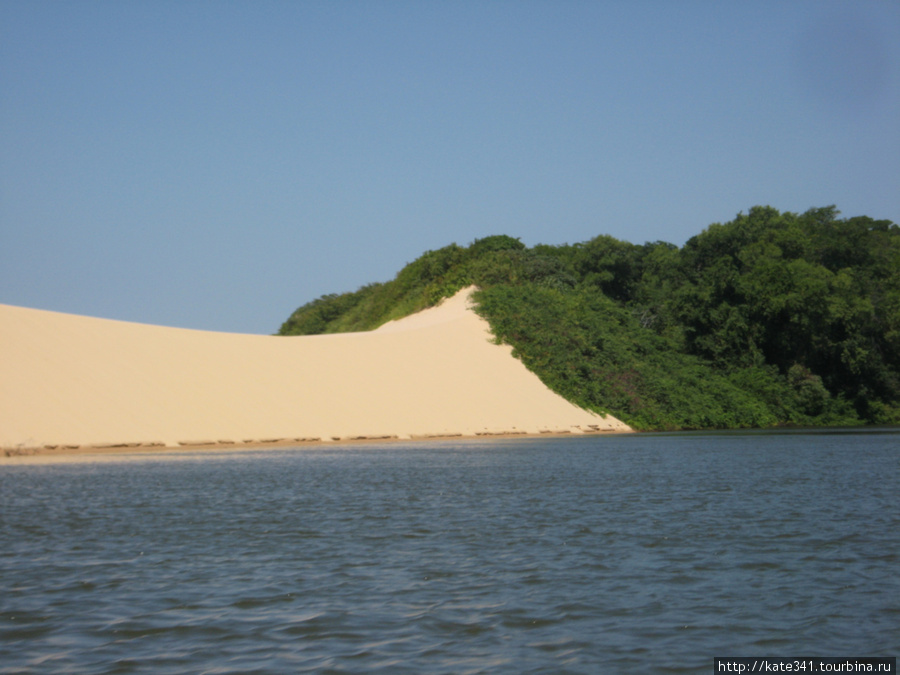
770,319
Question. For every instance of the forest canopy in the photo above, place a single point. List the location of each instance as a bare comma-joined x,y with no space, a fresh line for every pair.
770,319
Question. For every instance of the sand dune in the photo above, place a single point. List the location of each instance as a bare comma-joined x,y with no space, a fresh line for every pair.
70,380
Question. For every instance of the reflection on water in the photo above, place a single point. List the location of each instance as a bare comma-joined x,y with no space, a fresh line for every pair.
582,555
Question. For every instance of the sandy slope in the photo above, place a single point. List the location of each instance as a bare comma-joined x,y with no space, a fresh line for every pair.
80,381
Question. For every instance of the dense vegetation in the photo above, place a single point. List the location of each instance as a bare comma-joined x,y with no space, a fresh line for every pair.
773,318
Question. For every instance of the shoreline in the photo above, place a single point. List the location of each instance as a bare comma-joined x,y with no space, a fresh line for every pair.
48,454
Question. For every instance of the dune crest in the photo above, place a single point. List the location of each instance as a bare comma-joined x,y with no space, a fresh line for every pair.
74,381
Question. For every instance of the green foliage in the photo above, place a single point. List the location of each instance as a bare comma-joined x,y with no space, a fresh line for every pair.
425,282
420,284
613,267
497,242
320,314
811,394
810,290
594,352
772,318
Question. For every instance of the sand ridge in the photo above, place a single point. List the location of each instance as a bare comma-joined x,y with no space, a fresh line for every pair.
75,381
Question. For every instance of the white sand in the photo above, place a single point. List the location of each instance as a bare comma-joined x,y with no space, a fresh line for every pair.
70,380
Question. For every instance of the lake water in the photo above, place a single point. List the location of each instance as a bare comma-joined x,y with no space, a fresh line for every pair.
625,554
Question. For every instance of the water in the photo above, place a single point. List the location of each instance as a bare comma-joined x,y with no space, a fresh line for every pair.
642,553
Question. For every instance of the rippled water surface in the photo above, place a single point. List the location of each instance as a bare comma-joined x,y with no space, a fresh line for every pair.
640,553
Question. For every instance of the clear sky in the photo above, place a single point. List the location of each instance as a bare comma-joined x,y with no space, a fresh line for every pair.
216,164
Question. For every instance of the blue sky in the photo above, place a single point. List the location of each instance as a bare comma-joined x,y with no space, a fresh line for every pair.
214,165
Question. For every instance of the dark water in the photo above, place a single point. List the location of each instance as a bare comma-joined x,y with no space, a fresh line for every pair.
650,553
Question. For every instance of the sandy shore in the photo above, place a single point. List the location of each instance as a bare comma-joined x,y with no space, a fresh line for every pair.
80,384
